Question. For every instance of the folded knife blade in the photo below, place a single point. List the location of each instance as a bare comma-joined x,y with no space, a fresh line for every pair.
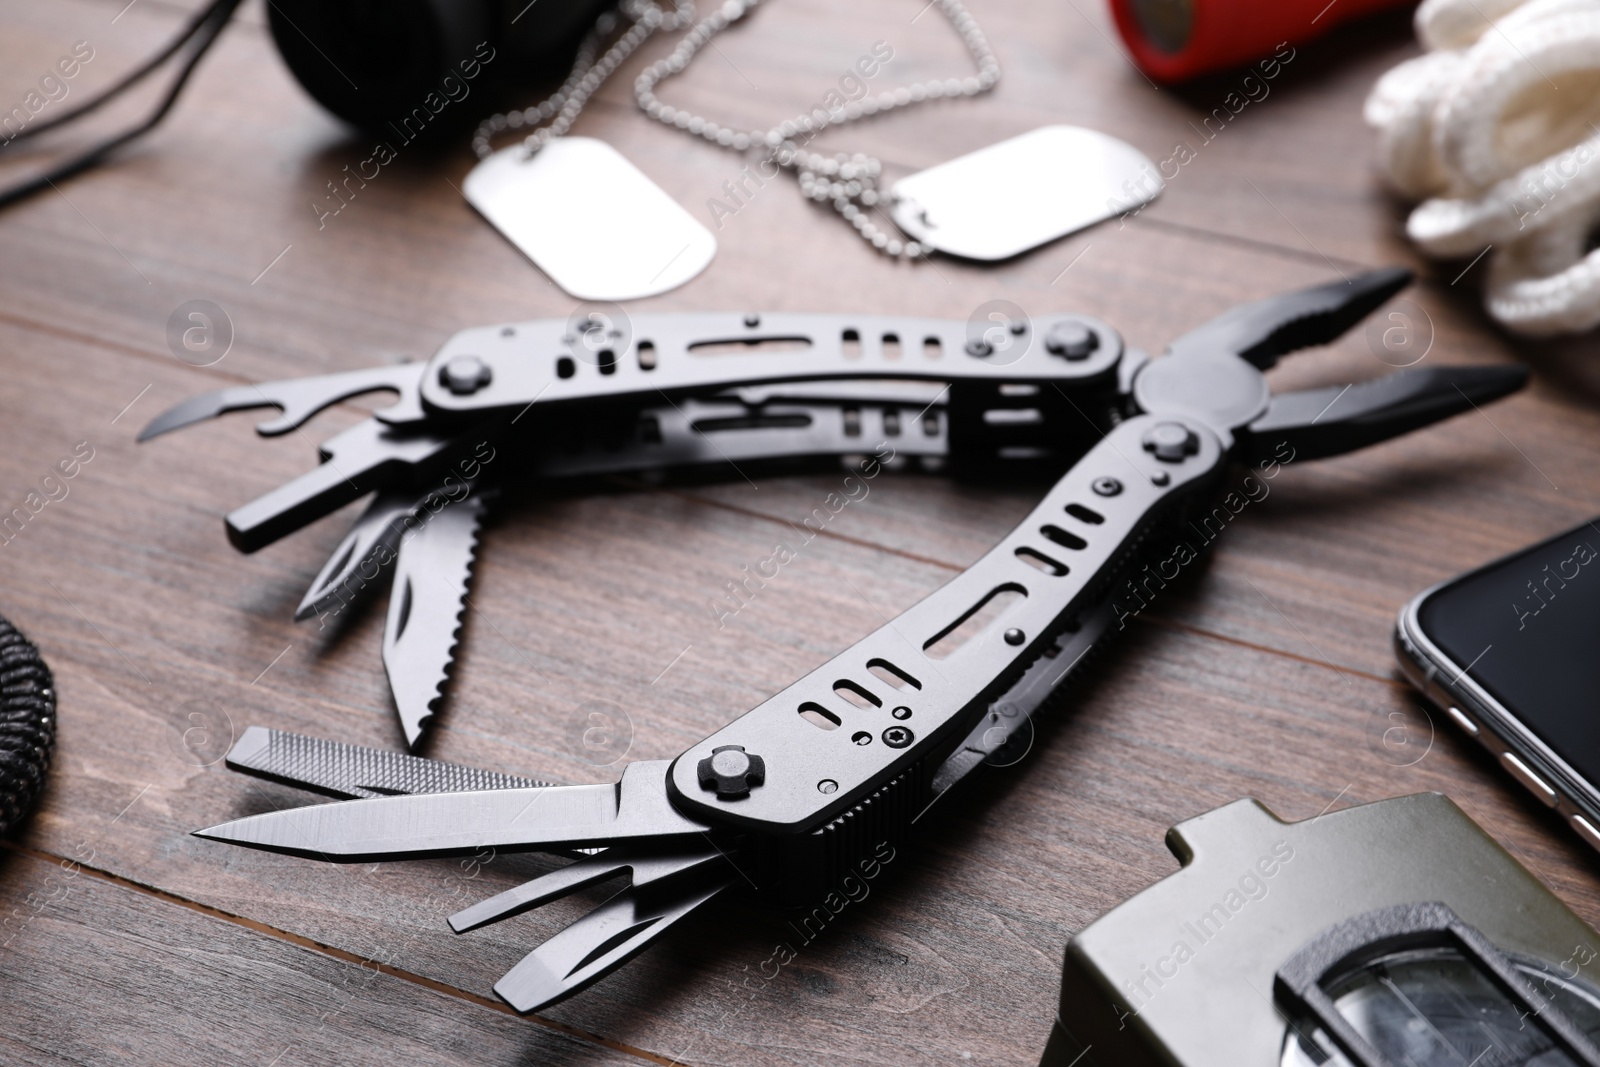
359,564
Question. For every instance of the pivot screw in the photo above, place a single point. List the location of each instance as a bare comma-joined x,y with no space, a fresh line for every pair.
1171,442
465,375
898,736
1106,486
1015,636
1071,341
731,771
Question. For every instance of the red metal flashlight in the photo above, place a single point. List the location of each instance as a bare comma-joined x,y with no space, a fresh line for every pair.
1173,40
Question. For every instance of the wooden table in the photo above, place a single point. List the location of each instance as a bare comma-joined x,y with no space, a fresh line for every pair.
1267,672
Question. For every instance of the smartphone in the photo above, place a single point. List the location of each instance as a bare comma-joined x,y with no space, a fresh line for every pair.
1511,653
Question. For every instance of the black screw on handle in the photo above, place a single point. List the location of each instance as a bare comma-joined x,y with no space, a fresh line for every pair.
898,736
731,771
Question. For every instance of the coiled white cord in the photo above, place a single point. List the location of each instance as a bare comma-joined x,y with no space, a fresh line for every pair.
1497,130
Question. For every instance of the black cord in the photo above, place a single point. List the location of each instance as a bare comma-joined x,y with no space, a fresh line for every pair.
27,725
202,32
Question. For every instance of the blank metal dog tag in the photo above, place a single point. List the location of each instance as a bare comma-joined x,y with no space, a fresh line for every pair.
589,219
1002,200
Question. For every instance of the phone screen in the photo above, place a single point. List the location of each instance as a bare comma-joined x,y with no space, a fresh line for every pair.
1527,629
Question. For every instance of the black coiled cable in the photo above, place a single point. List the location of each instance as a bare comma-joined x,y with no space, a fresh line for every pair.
27,725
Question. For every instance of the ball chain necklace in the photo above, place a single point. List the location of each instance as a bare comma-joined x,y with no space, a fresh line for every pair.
850,182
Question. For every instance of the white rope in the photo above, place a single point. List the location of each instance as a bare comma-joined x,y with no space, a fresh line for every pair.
1497,130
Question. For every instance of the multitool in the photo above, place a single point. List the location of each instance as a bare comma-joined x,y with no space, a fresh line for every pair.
791,796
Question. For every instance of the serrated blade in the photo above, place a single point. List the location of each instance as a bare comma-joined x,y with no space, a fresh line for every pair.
426,602
443,824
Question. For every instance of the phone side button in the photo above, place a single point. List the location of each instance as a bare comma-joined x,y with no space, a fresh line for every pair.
1522,773
1459,717
1586,830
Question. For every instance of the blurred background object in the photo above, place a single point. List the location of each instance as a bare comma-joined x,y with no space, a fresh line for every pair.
375,61
1494,130
1391,934
1175,40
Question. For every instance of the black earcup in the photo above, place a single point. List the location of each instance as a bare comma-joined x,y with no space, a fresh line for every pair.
372,61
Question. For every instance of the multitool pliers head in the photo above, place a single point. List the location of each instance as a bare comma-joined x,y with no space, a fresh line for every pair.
1215,373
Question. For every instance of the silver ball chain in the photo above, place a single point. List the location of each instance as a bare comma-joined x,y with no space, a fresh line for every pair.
848,181
565,104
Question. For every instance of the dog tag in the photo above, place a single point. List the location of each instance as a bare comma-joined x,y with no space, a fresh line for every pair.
590,220
1005,199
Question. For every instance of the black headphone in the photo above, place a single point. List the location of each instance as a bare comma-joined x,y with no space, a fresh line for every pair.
377,61
370,62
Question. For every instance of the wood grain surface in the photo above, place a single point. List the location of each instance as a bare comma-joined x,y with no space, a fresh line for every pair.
1266,672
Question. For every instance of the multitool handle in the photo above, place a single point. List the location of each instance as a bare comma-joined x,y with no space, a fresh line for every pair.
553,361
909,691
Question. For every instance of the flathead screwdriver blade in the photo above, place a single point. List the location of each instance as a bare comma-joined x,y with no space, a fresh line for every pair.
596,945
